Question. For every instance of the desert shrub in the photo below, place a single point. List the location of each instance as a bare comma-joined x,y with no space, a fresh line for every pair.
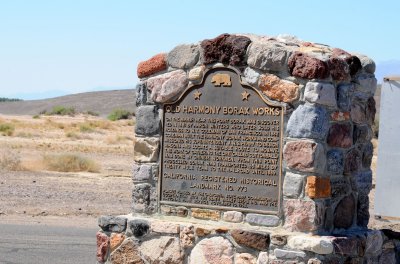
10,160
103,124
92,113
36,116
6,129
4,99
118,114
72,135
375,128
85,128
61,110
69,163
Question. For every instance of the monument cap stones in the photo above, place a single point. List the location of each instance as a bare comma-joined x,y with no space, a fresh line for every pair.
245,147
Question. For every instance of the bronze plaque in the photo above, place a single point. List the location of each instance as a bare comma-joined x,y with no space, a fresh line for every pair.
222,147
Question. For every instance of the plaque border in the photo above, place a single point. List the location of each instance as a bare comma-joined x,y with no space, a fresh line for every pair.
205,206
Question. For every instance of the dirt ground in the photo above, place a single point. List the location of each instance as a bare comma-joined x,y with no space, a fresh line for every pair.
30,191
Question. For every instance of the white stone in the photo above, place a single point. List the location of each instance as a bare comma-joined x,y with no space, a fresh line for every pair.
245,258
251,76
320,93
263,258
233,216
164,227
319,245
164,249
292,185
289,254
146,149
211,251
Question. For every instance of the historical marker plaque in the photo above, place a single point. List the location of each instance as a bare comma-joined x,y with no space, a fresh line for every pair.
222,147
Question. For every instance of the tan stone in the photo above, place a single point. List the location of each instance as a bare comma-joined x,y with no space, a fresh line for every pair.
245,258
146,149
312,49
200,231
221,229
187,236
115,240
318,187
163,249
196,74
278,89
205,214
164,227
127,253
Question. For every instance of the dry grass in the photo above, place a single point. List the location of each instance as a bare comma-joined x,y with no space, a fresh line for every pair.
7,129
69,163
10,160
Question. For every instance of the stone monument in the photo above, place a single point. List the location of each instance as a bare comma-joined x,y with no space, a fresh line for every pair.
251,149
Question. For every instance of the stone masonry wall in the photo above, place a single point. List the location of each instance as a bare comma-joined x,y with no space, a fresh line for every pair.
128,239
327,152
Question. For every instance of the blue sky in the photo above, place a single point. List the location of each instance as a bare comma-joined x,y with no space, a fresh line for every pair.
54,47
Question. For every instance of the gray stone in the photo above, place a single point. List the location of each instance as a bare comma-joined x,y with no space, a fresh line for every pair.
367,153
319,245
139,227
363,108
366,84
363,181
183,56
320,93
362,134
289,254
233,216
367,63
363,210
267,57
340,186
334,161
344,94
388,257
264,220
147,120
142,172
164,249
142,94
110,223
374,242
144,198
308,121
212,250
251,76
292,185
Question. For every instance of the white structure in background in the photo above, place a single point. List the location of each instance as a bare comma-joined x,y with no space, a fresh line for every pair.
387,197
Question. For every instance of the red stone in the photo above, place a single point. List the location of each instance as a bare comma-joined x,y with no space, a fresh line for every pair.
339,69
155,64
340,53
228,49
346,245
340,116
352,161
300,155
344,212
251,239
304,216
102,246
340,136
304,66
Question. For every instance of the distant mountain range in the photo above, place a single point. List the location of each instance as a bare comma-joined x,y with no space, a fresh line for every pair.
102,103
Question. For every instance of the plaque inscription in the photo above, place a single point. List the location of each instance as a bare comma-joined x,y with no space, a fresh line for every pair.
222,147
